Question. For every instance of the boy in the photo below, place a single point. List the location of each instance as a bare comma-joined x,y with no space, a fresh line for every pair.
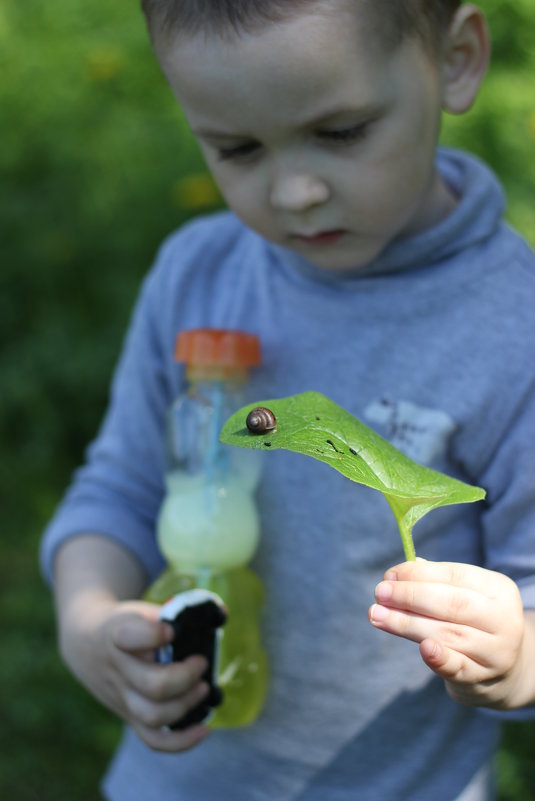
377,271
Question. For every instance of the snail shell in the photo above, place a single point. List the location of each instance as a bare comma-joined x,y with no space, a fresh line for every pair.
261,420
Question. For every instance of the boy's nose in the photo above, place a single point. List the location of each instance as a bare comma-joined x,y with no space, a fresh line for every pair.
298,192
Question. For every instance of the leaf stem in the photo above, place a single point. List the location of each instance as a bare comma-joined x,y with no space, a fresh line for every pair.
406,539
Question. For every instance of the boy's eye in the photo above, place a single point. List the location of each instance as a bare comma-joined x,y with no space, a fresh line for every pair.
238,152
343,135
249,150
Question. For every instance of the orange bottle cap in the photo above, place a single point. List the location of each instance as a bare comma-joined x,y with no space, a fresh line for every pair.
217,347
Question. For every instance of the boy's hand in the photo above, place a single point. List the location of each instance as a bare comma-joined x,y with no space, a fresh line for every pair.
111,647
470,625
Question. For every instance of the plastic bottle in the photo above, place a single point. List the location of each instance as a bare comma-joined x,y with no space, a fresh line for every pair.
208,525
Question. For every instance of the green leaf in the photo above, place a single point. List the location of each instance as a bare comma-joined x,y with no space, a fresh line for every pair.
314,425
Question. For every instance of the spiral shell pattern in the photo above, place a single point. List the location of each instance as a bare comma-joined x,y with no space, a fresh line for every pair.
261,420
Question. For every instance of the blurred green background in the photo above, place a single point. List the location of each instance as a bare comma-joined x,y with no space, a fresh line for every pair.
96,167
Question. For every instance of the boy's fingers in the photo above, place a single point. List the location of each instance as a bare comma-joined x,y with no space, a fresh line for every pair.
456,574
171,741
134,631
155,714
439,601
162,682
471,642
452,666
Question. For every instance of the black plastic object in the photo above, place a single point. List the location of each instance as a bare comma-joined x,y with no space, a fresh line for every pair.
196,617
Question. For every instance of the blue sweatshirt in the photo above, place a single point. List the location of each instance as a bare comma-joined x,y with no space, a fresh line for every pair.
431,345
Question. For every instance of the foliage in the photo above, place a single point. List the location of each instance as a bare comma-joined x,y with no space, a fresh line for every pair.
96,168
313,425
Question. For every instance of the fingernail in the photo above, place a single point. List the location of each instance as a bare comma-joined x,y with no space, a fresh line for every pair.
383,591
378,613
391,576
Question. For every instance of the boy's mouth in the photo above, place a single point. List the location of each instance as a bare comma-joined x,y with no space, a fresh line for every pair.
322,237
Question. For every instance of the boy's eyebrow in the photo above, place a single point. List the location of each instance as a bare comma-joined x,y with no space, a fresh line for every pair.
360,113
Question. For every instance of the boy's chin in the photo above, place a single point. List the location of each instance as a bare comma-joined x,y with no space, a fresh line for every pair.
341,257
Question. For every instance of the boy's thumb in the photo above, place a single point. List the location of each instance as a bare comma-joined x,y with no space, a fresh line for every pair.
140,629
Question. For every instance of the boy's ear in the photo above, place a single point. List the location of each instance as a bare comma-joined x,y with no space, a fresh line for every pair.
465,60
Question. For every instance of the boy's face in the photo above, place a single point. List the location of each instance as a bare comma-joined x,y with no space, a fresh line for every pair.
319,139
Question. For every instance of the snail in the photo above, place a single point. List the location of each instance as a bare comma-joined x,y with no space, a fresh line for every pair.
261,420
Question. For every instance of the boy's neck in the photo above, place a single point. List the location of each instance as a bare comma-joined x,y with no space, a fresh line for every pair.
444,203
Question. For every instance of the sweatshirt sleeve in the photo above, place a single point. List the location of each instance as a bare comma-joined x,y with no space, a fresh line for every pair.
117,492
508,521
509,517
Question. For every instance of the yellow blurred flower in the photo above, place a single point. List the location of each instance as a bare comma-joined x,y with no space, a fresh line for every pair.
104,63
195,192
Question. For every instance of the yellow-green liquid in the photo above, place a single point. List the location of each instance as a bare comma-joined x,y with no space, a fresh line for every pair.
207,524
243,667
